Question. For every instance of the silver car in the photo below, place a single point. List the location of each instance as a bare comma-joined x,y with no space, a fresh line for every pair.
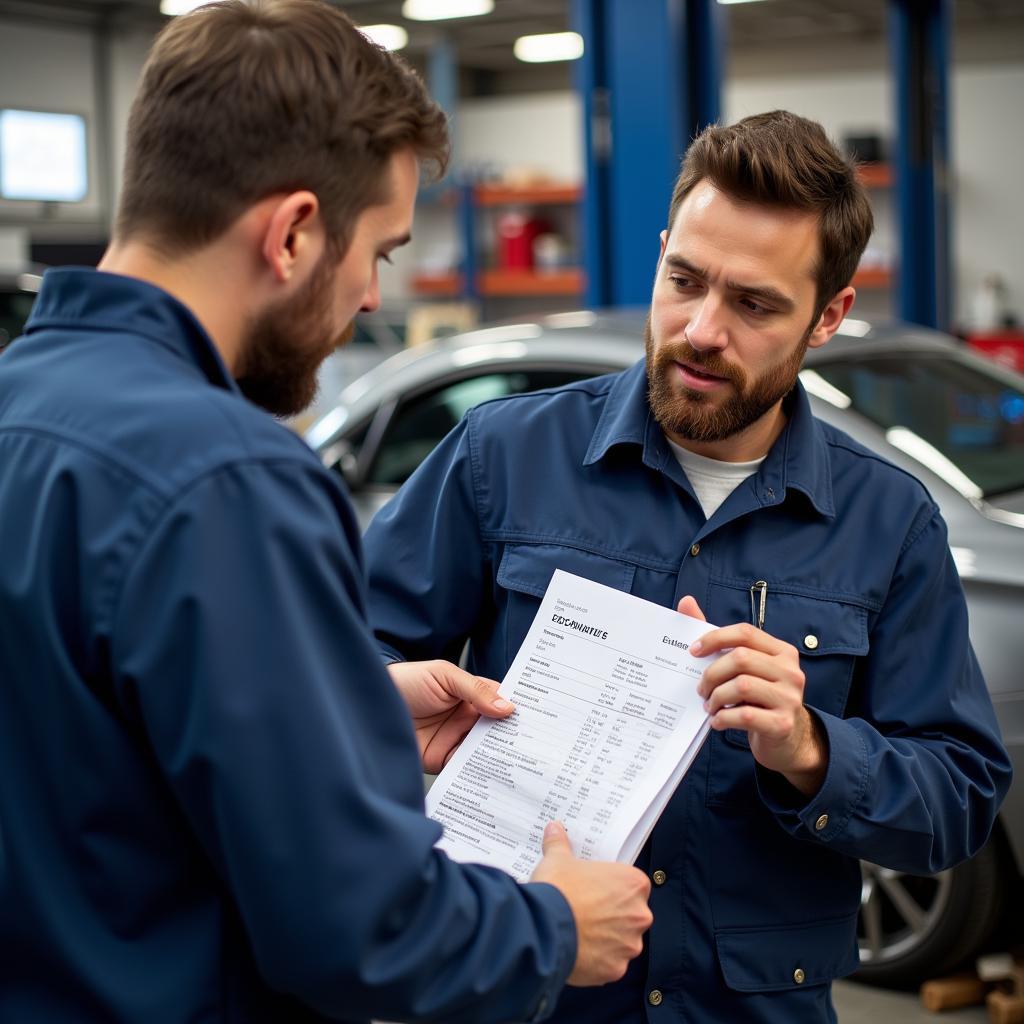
918,398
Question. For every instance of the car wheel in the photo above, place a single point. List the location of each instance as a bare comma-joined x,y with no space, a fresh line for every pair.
913,927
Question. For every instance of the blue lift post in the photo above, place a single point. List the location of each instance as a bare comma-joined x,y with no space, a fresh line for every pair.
919,41
649,80
443,82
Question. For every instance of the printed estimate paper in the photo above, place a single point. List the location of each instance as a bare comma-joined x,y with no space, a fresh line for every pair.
607,722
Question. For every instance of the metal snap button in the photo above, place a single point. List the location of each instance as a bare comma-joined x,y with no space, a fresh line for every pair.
659,877
821,822
654,997
798,976
811,642
695,550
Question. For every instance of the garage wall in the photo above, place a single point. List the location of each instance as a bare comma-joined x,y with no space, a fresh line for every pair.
847,89
988,151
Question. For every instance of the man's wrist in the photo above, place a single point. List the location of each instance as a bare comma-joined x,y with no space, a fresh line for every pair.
811,763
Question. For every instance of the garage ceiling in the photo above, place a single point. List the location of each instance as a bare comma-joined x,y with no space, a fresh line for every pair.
485,43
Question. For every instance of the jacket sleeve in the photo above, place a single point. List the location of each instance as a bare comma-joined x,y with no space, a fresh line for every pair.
241,649
426,563
917,772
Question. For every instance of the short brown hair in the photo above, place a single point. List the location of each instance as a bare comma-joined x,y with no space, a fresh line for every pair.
241,100
780,159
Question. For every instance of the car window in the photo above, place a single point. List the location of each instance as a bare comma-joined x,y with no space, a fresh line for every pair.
973,418
420,423
14,310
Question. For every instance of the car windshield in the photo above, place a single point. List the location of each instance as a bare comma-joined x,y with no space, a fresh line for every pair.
949,409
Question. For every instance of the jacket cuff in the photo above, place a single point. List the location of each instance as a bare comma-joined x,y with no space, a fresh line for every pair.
565,924
389,655
826,814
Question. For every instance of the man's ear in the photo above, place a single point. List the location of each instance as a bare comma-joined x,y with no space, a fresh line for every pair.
293,238
831,317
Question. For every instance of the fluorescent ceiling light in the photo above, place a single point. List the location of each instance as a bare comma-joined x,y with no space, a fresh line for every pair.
739,1
391,37
175,7
438,10
548,47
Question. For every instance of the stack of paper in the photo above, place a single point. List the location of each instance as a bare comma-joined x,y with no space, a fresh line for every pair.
607,722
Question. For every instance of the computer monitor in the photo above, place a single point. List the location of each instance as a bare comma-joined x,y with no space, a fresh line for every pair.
43,156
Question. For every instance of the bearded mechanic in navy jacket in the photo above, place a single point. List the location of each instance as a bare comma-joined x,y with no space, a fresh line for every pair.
850,718
211,803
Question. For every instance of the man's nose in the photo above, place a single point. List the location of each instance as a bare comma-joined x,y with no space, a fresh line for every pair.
371,300
707,327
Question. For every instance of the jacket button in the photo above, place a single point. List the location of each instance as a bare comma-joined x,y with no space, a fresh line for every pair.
821,822
695,550
798,976
811,642
654,997
659,877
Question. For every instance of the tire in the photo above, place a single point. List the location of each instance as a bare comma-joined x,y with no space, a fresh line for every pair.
912,928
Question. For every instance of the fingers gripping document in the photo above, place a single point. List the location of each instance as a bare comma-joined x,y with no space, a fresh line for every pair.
607,722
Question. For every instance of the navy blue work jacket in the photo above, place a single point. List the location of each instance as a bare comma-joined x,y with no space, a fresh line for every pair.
211,802
757,911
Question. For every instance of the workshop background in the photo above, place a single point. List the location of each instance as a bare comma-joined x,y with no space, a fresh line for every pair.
564,161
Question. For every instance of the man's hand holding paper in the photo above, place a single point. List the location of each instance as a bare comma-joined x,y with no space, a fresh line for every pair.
757,685
608,720
444,701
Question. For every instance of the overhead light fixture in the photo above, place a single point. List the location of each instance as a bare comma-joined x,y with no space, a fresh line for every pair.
439,10
390,37
548,47
172,8
740,1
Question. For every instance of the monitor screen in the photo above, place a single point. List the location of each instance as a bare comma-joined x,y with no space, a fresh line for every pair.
42,156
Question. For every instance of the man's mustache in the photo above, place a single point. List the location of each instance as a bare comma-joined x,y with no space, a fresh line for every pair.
710,362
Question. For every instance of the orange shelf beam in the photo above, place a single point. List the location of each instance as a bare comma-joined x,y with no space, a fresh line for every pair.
570,281
872,277
446,285
500,195
875,175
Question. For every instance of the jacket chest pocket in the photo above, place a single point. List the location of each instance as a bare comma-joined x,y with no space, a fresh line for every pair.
525,571
830,636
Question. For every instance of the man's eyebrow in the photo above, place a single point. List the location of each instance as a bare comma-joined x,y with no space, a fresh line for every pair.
677,262
772,296
396,242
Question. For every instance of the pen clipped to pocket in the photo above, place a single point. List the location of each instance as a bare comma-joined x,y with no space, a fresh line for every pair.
758,601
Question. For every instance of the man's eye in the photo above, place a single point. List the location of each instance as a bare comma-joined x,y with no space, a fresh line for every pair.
754,307
682,282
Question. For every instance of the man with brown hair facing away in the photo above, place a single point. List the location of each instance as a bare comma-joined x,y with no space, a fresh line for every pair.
211,803
849,716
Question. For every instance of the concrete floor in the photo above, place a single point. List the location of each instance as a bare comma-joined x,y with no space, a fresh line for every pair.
861,1004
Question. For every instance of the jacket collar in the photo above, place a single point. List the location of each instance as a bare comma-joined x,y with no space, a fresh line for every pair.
798,460
85,299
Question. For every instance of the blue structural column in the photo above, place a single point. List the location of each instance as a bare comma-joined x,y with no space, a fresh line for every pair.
919,40
649,81
443,82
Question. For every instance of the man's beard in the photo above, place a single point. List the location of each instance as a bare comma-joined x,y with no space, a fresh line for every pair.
286,344
694,415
